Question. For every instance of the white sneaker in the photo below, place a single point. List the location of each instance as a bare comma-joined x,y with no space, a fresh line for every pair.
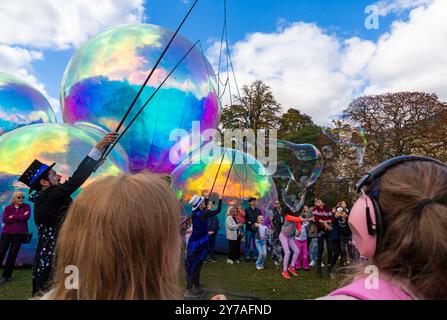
237,261
229,261
313,263
322,265
259,268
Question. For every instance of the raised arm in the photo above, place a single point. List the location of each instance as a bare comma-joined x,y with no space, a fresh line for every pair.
293,219
211,213
87,166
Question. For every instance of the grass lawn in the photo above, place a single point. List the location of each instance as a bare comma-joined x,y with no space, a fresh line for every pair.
242,278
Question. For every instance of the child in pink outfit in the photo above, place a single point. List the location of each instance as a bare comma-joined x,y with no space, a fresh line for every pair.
301,243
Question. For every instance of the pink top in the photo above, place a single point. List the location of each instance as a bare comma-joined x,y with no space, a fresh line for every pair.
385,291
15,220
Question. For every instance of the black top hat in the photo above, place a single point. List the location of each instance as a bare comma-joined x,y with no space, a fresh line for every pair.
34,173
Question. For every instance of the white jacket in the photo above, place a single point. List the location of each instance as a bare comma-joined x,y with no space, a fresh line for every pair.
232,228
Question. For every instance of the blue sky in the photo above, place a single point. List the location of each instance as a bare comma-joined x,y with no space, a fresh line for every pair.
345,18
337,58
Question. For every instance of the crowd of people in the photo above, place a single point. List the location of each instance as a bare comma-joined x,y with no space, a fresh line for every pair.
293,240
123,237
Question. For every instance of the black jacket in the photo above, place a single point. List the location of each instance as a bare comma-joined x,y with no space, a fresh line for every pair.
53,202
49,212
251,216
213,224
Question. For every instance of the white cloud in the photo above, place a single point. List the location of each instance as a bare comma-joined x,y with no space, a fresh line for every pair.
320,73
305,67
412,56
399,6
18,62
56,25
50,24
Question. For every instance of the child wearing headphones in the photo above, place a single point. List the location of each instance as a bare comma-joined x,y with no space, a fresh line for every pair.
399,225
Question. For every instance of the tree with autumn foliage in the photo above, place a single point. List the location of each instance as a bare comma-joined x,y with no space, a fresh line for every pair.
256,109
400,123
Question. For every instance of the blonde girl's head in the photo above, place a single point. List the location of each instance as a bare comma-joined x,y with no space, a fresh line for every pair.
123,236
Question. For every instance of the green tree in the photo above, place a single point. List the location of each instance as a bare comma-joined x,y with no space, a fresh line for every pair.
292,122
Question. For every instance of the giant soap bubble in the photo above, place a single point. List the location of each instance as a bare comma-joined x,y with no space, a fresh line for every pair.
21,105
350,138
105,74
248,178
299,167
60,143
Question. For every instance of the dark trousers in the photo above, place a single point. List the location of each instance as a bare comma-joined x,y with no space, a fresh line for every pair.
339,247
322,236
353,253
234,249
13,242
212,245
193,278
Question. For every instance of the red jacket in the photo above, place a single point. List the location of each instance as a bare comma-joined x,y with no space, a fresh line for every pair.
297,221
18,224
322,214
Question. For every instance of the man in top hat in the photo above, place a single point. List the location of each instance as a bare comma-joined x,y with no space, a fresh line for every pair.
51,205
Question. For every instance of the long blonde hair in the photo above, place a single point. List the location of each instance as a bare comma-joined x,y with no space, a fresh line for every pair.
122,234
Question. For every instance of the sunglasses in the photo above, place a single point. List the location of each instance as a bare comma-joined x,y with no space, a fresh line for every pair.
20,197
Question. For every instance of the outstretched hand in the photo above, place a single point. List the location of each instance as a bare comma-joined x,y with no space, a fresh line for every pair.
107,140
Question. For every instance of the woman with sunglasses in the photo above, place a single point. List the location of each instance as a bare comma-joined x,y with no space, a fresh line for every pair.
14,232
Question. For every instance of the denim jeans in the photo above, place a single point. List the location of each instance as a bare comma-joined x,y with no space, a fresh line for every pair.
261,245
249,239
313,249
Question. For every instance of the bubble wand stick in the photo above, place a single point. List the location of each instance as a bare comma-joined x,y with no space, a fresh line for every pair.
107,152
228,176
149,76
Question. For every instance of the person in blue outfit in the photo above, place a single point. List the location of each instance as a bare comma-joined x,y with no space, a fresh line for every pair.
197,249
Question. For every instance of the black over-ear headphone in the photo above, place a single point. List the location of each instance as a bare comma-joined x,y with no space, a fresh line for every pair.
371,177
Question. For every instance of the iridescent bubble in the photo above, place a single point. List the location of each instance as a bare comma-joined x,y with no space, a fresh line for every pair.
248,178
105,74
352,139
60,143
359,144
21,105
299,168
